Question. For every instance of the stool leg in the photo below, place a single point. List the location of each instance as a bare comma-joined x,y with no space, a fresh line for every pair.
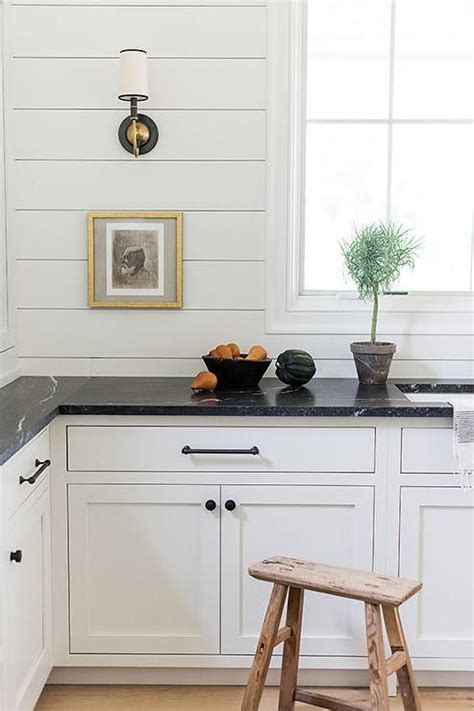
379,700
263,655
291,651
405,675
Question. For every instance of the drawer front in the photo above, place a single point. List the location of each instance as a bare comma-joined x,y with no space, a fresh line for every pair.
427,451
23,466
319,449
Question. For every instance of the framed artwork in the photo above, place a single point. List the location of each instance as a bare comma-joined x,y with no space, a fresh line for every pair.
135,260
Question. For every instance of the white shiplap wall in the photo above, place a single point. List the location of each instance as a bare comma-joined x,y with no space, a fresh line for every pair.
8,361
208,95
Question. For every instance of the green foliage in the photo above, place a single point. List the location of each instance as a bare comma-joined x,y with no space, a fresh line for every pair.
374,259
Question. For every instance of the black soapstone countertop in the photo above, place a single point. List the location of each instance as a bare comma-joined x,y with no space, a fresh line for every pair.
30,403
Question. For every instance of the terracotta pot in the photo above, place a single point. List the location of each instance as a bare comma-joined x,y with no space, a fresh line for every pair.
373,361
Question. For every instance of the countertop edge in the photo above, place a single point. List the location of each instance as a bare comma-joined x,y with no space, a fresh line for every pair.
435,410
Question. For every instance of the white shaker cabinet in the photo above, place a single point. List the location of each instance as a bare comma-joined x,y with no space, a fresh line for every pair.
146,576
437,546
144,569
28,654
330,524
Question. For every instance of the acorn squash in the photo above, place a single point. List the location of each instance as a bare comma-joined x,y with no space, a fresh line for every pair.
295,367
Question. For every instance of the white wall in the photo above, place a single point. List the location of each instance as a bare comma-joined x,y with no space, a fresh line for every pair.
8,362
208,96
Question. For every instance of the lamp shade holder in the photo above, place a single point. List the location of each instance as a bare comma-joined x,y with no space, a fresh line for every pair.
138,134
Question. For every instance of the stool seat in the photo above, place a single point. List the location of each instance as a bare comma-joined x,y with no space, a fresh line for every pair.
332,580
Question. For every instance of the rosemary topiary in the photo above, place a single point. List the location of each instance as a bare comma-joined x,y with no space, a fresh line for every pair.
374,259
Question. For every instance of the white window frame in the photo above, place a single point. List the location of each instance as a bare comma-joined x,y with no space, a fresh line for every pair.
288,308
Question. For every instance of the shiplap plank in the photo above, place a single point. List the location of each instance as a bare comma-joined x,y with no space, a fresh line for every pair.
207,285
83,31
135,185
172,334
207,235
141,3
112,366
330,368
184,135
436,368
189,333
173,84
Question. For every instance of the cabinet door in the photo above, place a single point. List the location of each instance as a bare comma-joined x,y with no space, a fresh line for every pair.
329,524
28,589
437,547
144,569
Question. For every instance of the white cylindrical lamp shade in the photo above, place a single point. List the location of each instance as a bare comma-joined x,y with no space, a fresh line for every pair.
133,75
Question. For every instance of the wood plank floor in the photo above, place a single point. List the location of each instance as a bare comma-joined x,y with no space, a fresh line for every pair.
208,698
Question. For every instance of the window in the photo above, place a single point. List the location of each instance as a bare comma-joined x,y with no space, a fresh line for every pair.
378,108
389,109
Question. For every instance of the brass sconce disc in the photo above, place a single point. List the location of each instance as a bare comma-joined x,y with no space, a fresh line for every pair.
147,134
143,134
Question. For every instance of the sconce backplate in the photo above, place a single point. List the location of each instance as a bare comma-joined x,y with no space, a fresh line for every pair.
147,134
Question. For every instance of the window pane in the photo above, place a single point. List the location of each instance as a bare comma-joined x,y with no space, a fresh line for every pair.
348,55
345,184
434,70
432,193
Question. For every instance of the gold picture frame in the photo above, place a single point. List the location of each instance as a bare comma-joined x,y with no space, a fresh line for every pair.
135,260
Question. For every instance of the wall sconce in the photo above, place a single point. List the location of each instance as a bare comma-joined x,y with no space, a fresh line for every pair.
138,133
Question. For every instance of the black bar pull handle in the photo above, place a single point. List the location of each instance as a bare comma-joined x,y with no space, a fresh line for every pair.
16,556
189,450
42,466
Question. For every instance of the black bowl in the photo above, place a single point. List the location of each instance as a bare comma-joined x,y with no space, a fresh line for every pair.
234,373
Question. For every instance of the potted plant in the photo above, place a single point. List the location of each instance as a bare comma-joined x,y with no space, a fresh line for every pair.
374,259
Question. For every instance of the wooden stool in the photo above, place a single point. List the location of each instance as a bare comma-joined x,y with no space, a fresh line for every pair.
381,594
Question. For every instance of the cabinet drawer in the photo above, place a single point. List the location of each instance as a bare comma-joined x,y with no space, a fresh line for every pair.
427,450
23,464
318,449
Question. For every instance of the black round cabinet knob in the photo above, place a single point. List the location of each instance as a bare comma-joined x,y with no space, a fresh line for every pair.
230,505
210,505
16,556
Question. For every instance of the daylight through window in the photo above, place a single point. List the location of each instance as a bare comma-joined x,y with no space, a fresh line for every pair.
389,134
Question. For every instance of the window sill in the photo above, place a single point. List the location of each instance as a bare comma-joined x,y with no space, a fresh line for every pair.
424,314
